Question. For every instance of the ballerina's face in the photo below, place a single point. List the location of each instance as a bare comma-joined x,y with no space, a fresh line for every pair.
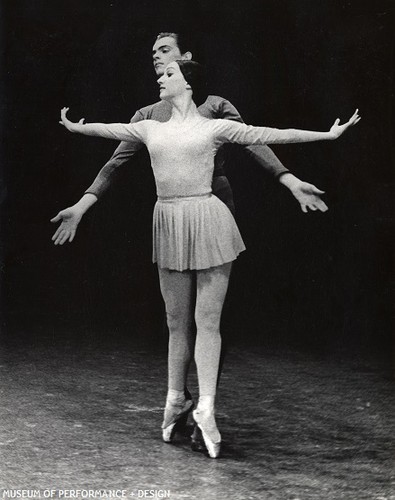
172,83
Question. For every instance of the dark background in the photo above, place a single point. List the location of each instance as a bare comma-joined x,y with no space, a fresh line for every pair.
317,282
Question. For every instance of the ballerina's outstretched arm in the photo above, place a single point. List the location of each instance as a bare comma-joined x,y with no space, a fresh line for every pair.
119,131
227,131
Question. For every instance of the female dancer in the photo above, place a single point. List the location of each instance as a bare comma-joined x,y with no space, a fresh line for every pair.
195,238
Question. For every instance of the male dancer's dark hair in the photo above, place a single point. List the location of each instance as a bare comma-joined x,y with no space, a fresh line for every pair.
186,43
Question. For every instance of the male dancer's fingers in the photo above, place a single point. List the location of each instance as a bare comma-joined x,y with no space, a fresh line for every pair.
65,237
322,206
57,233
56,218
72,235
317,191
59,239
304,208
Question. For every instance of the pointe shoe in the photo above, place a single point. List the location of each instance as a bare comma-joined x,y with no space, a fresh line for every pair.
175,419
212,438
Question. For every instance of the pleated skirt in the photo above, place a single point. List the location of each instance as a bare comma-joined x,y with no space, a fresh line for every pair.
195,232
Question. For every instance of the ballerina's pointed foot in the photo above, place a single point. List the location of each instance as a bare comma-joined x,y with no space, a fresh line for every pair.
212,438
175,419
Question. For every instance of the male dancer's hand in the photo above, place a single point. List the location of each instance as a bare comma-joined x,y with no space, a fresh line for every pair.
308,195
70,218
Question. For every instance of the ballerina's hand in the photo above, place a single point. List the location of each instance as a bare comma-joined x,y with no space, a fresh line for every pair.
72,127
337,130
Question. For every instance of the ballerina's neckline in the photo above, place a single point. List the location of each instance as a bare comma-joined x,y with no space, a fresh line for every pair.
187,123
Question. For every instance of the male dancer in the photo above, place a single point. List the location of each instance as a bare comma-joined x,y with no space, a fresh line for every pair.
167,48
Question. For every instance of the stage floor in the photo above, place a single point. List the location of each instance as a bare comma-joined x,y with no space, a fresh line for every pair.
87,415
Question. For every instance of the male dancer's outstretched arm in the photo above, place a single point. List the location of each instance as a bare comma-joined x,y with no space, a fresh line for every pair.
71,216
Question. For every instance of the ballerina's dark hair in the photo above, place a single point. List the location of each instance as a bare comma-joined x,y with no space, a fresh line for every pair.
194,74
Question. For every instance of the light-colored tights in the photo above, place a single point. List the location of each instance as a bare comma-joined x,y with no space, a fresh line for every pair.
194,295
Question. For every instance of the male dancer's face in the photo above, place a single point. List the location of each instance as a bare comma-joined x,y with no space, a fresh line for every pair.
166,51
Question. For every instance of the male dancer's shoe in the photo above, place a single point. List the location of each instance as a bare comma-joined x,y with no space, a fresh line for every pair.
197,443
